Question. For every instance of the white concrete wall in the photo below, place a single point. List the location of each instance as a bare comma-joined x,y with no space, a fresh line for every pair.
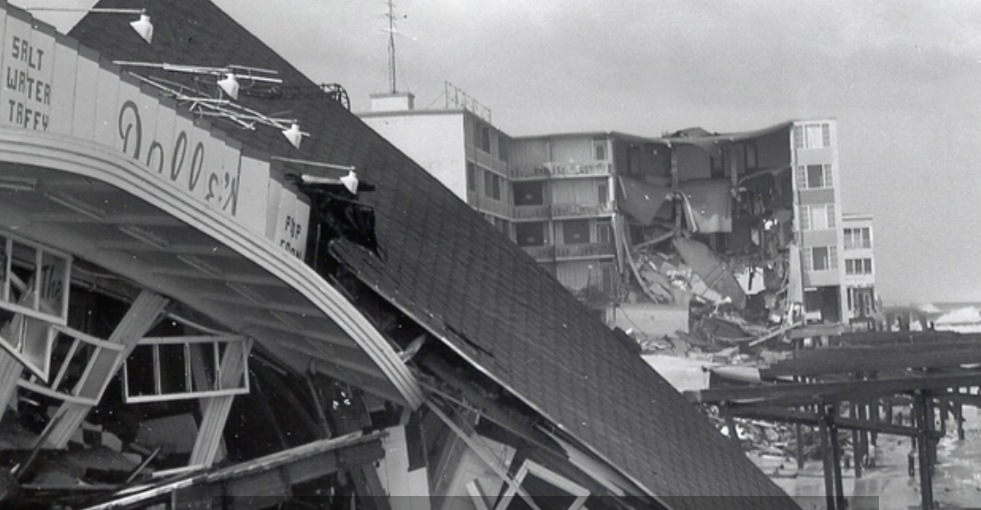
434,140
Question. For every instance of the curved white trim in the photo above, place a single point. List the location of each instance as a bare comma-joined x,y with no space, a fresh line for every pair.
107,165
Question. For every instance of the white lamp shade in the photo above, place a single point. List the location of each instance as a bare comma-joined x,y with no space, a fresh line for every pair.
293,135
350,181
143,27
230,85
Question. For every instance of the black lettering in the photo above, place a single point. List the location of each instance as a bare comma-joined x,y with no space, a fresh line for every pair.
131,129
47,93
197,165
27,117
44,122
13,105
180,149
11,79
232,186
155,149
21,78
25,47
40,56
20,114
30,87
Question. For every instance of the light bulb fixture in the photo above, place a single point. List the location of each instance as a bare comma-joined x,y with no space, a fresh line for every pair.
142,26
293,134
350,181
229,85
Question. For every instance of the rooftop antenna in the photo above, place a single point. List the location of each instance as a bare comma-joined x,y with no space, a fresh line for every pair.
391,47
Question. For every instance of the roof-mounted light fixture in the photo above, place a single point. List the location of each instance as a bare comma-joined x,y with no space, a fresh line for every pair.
142,26
349,180
230,78
204,105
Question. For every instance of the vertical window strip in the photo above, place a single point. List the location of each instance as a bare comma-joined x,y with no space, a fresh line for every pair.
832,257
830,208
805,217
828,177
801,177
809,260
798,137
826,135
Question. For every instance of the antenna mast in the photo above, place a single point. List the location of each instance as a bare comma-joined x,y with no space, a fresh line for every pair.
391,47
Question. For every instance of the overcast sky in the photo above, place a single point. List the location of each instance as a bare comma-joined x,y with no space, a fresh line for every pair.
903,79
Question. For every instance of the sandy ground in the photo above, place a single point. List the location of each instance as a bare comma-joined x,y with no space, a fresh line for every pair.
957,477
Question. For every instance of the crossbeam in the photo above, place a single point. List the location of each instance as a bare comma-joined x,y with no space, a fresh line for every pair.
837,361
777,414
810,393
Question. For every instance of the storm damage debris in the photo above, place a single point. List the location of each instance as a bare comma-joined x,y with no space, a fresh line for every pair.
716,235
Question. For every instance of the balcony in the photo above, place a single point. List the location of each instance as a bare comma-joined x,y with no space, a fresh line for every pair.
562,211
540,253
584,251
530,212
554,170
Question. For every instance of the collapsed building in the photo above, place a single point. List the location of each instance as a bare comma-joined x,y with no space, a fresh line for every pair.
741,226
220,289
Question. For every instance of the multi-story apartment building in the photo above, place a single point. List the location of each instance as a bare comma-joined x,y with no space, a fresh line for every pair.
859,267
749,218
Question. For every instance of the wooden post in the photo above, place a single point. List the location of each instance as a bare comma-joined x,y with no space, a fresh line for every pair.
920,405
828,471
10,370
214,410
798,432
959,416
836,455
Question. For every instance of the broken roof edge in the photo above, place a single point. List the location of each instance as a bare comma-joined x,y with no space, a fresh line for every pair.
443,337
729,137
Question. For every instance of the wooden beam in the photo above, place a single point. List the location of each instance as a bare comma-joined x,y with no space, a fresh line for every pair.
780,415
140,317
214,410
805,393
839,361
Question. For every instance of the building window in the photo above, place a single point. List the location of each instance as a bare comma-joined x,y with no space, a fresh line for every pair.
529,193
603,193
502,148
812,136
492,185
575,232
604,232
529,234
858,266
858,238
485,139
815,177
599,149
821,258
817,217
471,177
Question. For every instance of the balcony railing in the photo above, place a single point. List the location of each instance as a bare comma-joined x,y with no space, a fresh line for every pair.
530,212
554,170
540,253
580,210
579,251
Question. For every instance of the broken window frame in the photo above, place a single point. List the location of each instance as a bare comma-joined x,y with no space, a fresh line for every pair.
98,352
530,467
219,357
41,300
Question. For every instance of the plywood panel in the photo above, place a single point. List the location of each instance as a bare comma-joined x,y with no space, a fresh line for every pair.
86,88
106,114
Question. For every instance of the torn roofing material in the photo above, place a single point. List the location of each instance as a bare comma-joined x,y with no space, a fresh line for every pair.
452,272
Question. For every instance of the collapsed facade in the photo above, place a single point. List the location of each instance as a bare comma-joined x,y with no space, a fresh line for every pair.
746,228
198,311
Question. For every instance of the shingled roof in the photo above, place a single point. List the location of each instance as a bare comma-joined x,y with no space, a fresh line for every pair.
448,269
